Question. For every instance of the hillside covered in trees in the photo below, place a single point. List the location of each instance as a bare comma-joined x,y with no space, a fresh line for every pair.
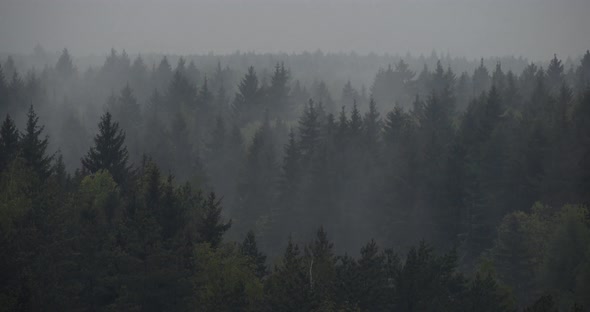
436,184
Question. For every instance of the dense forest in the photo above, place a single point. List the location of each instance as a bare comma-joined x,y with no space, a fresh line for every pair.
284,183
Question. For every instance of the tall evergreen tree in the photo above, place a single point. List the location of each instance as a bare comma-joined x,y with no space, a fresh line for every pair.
247,100
109,152
249,249
555,75
211,226
34,147
64,65
481,79
9,142
279,91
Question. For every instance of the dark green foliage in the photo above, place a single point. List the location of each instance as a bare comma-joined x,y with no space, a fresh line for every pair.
427,280
248,100
460,166
288,287
249,249
211,226
109,152
484,294
543,304
34,147
9,138
279,91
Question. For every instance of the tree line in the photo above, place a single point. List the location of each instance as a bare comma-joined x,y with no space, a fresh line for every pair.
491,170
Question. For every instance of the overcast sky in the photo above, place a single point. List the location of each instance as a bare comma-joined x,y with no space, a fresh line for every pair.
472,28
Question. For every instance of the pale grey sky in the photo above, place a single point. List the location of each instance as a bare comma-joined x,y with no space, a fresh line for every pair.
472,28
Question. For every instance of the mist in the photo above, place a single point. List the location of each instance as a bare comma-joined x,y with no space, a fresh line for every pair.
294,155
533,28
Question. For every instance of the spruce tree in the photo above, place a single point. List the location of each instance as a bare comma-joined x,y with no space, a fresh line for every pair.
3,91
309,131
34,148
481,79
9,138
211,227
288,287
246,103
64,65
279,90
555,75
109,152
372,127
583,72
249,249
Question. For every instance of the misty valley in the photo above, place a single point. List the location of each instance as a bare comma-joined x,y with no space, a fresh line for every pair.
294,182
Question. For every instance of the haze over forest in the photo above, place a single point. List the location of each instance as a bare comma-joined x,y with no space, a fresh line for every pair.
532,28
294,155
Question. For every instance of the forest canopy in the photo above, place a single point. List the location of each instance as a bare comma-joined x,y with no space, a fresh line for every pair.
254,182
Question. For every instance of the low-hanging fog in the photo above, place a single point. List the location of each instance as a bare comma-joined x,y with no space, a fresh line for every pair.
294,155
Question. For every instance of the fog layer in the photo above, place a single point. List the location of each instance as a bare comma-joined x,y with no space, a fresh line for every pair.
536,29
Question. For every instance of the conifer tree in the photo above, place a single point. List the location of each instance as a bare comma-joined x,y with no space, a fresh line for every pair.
9,142
34,148
583,72
498,78
349,94
555,75
247,99
163,73
288,287
321,262
481,79
64,65
109,152
211,226
249,249
279,90
309,131
372,127
356,122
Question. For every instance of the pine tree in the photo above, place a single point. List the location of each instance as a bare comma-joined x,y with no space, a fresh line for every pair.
543,304
356,122
322,272
9,142
249,249
3,91
555,75
371,278
583,73
279,90
64,65
498,78
288,287
257,184
309,131
205,98
481,79
211,228
109,152
180,93
372,127
163,73
34,148
582,130
291,168
247,101
349,94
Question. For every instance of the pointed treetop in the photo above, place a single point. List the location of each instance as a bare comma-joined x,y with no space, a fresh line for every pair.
34,146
